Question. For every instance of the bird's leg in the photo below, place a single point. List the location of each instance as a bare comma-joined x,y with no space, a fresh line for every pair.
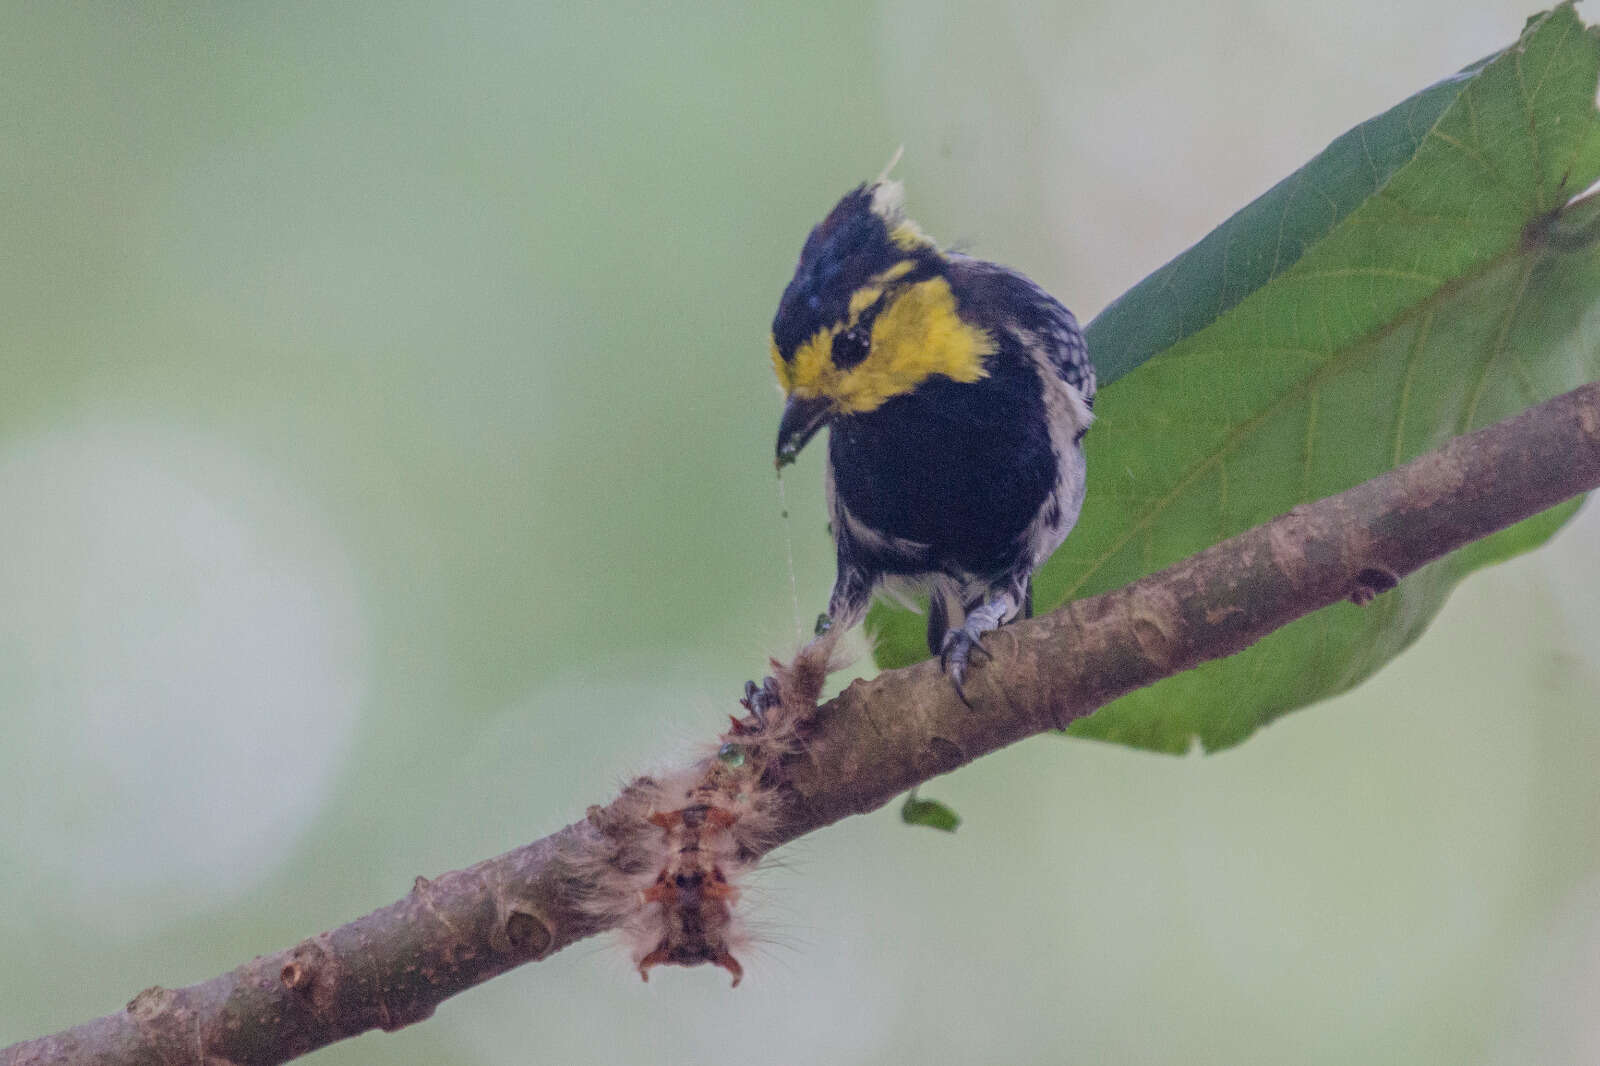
852,594
961,643
938,619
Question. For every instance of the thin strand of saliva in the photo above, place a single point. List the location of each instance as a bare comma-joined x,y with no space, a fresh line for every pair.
788,545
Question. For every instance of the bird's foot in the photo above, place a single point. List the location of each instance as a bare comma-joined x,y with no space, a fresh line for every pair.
960,645
759,699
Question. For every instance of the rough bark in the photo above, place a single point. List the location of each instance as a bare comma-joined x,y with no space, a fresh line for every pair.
875,740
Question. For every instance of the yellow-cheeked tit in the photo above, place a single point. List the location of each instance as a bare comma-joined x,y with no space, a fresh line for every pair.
956,393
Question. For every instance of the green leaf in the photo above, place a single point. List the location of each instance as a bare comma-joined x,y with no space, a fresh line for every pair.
1266,237
1422,277
931,813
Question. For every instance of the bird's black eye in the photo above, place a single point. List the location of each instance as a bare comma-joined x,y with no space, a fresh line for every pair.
850,347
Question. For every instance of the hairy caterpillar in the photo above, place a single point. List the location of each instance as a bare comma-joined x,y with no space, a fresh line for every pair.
680,845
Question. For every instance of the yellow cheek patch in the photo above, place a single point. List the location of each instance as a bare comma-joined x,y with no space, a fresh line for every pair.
916,337
811,373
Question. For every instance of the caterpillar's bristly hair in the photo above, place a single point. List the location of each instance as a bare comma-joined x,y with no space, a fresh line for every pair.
672,851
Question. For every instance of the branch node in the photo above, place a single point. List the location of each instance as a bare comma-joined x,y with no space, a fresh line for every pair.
520,928
527,933
151,1002
312,974
294,975
1370,583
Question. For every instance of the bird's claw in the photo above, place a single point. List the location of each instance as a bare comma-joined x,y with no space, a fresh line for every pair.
960,645
759,699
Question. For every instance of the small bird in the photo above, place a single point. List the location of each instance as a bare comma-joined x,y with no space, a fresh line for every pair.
957,394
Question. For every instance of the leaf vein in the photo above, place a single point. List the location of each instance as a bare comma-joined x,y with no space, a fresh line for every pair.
1470,414
1413,361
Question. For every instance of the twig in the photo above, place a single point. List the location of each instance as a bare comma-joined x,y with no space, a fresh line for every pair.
875,740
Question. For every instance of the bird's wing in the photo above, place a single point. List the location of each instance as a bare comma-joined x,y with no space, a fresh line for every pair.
1010,301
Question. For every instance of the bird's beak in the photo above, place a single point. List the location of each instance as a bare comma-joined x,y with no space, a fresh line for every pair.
801,420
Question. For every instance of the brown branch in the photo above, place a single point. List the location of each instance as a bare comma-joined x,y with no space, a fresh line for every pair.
876,739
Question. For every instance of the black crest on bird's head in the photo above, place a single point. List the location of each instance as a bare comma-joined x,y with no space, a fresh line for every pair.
865,234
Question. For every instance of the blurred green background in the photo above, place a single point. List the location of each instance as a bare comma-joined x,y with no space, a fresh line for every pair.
385,435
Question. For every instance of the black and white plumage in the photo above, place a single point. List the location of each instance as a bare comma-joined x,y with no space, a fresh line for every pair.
957,394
